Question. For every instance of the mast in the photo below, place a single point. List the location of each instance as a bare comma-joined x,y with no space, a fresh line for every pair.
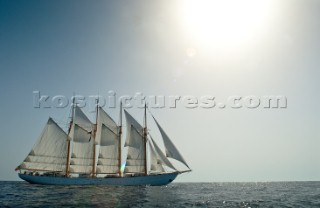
68,140
145,133
120,137
94,141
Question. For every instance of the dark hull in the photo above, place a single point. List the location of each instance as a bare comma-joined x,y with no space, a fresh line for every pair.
152,180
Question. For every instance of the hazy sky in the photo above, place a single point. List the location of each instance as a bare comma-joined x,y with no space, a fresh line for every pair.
218,48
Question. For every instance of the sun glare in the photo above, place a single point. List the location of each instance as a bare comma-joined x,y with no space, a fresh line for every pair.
225,21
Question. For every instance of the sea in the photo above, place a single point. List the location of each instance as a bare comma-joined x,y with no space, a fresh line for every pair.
229,194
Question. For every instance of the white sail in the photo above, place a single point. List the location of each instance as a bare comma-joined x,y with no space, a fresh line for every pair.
82,157
171,150
107,129
82,147
135,143
108,138
155,164
82,120
79,134
50,151
132,122
161,158
104,118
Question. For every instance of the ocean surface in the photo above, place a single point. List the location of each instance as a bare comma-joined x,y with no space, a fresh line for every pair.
268,194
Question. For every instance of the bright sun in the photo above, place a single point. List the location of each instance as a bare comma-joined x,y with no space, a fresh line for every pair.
225,21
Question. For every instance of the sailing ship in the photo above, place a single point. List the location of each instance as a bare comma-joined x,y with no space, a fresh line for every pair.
92,153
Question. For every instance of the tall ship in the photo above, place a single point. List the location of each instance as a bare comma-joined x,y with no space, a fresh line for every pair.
91,153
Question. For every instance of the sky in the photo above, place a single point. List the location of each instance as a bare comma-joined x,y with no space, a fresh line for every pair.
185,48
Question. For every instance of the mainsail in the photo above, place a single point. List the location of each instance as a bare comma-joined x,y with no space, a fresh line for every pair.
135,143
171,150
50,151
82,146
108,138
